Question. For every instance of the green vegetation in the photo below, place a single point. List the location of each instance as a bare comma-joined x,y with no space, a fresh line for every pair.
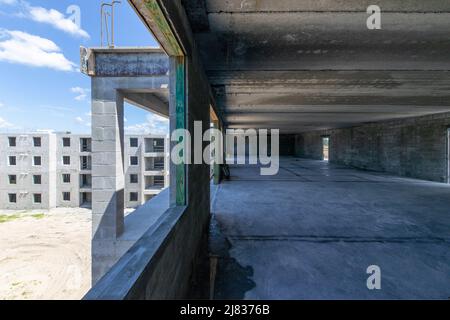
38,216
9,217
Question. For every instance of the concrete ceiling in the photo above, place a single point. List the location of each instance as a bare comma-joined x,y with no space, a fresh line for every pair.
301,65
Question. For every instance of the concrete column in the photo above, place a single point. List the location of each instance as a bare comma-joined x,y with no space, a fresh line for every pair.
108,179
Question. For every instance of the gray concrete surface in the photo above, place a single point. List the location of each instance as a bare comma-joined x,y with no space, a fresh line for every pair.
415,147
308,65
311,232
24,188
117,76
136,224
175,252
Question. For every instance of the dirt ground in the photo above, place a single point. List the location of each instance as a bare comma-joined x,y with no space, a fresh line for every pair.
45,254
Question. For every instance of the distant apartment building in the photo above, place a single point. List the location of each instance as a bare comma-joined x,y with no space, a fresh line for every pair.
47,170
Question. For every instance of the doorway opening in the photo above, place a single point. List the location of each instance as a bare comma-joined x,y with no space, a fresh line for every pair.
325,148
86,200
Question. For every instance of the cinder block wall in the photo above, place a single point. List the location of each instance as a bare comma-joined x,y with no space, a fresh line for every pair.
412,147
287,145
170,272
177,263
182,249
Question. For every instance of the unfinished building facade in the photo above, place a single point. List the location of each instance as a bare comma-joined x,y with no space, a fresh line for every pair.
48,170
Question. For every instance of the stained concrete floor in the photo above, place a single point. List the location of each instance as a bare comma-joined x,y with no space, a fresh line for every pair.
311,231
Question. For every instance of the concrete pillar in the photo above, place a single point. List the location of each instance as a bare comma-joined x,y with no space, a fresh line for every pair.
108,179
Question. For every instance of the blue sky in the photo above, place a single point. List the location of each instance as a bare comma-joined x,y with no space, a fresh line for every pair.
40,85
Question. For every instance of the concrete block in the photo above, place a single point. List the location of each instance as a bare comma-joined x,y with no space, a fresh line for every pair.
412,147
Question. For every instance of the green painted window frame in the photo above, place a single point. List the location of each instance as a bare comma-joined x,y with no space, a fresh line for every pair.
163,32
180,96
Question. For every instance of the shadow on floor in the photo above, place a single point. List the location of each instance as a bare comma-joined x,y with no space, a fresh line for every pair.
216,268
312,231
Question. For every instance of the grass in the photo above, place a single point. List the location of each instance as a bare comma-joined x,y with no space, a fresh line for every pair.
11,217
38,216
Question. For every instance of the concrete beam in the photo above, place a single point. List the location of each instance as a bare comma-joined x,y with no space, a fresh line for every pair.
154,15
154,102
124,62
292,55
236,6
294,40
327,98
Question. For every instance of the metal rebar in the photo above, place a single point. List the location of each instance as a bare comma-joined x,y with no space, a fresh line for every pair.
101,21
112,22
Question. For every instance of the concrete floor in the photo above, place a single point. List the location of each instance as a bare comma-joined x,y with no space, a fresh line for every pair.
311,232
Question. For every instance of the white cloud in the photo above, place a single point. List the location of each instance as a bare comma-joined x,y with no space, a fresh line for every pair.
48,16
81,93
8,2
27,49
5,124
154,125
1,104
57,20
81,121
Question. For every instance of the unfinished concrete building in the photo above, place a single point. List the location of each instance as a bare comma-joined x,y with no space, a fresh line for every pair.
28,168
47,170
373,101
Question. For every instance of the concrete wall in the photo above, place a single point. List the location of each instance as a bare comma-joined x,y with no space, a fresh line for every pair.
162,263
171,267
184,244
52,170
412,147
287,145
108,144
133,169
24,170
141,152
74,169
